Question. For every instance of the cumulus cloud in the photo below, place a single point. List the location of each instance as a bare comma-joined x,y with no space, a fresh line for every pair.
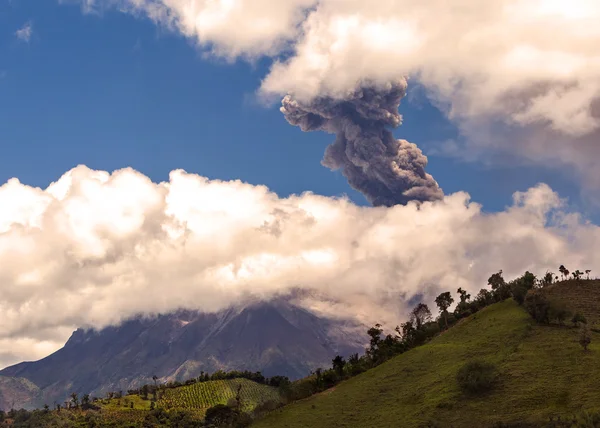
525,73
95,248
529,60
24,33
229,28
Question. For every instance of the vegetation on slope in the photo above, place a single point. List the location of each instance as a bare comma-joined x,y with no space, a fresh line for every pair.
203,395
543,373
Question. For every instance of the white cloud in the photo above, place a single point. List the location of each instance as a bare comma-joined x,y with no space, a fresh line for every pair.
95,248
527,61
25,32
531,61
517,76
229,28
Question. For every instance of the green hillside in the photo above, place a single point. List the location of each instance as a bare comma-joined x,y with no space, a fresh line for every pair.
543,373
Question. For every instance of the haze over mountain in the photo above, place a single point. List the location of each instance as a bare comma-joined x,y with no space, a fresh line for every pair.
276,338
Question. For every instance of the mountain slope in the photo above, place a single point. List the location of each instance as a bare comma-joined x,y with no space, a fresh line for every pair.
17,390
543,370
275,338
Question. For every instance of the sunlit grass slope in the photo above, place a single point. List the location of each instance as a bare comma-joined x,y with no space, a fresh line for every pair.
544,372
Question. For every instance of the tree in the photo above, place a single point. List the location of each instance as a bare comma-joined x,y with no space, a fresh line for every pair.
444,301
587,272
585,337
484,298
496,281
75,400
154,378
547,279
338,365
464,296
500,289
375,335
407,333
463,306
528,280
220,416
536,303
144,391
420,315
563,271
238,397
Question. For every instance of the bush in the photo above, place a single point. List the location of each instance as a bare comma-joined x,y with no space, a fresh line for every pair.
558,311
536,303
477,376
585,337
519,291
578,318
220,415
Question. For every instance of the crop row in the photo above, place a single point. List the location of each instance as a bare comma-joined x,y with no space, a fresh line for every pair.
203,395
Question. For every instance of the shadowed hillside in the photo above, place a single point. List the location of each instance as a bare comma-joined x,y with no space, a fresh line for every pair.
582,296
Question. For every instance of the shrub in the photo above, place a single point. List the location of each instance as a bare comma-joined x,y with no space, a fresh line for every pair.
518,291
578,318
558,311
585,337
477,376
536,303
220,415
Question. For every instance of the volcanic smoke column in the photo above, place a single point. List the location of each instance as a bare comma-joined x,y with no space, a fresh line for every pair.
387,171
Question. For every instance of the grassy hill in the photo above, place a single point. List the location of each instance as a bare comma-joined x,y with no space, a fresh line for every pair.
543,373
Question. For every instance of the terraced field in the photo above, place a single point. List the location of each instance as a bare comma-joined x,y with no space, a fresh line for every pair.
582,296
202,395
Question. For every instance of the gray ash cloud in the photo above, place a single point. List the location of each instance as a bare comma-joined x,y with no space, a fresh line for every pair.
386,170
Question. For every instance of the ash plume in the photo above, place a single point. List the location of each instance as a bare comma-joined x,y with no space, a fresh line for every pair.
386,170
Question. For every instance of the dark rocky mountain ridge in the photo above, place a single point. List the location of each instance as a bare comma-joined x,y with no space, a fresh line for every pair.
276,338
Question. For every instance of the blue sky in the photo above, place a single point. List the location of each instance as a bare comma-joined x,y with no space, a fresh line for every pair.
117,91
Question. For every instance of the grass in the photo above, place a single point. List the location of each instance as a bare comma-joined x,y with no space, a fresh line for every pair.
543,372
